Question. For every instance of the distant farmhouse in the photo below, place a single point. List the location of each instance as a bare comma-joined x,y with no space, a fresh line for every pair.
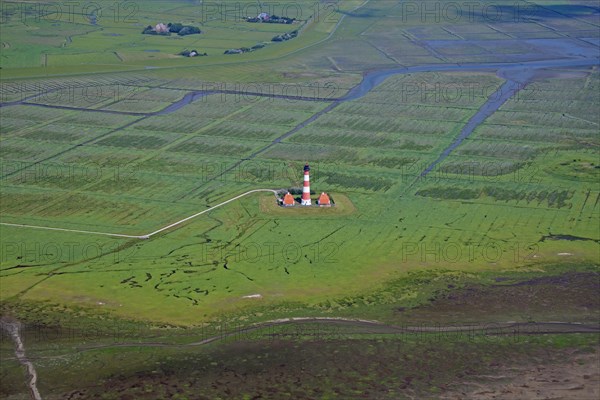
270,19
192,53
166,30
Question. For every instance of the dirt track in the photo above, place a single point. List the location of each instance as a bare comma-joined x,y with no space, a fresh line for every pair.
375,327
148,235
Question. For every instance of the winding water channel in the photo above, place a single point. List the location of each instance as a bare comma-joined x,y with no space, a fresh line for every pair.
517,76
14,331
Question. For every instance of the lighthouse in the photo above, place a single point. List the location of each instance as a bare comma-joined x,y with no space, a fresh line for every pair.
306,188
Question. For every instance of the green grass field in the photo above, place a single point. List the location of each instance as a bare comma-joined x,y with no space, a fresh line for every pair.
504,198
97,135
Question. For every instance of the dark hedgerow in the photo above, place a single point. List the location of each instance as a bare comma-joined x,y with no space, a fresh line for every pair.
285,36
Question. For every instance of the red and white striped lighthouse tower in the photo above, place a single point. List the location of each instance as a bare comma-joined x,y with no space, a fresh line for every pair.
306,188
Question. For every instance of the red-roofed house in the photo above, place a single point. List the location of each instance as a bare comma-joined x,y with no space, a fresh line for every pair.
288,200
324,200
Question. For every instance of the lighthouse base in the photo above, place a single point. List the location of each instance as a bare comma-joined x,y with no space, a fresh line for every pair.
306,202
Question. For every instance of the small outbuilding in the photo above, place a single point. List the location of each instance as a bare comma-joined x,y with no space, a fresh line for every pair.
288,200
324,200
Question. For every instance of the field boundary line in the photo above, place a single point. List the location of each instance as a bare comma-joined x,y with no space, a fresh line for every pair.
146,236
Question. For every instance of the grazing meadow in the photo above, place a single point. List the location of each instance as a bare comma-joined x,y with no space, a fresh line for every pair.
108,135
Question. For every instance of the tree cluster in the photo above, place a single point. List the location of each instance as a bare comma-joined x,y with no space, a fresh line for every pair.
242,50
285,36
179,29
